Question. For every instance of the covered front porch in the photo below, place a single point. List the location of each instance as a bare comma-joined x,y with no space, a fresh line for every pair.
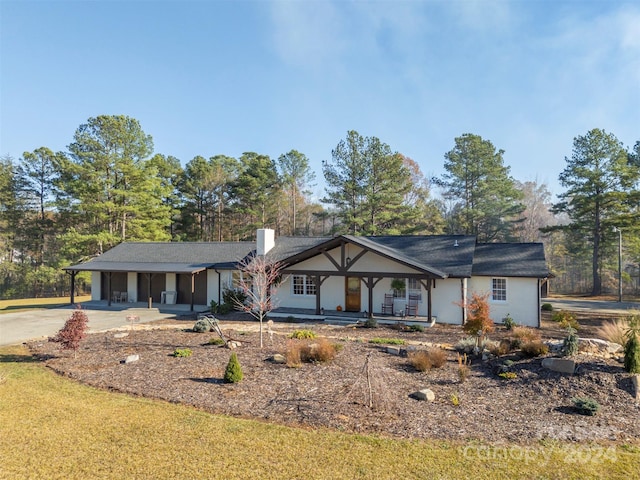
348,318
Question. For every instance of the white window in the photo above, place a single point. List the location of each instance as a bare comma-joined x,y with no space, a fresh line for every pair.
415,288
303,285
499,290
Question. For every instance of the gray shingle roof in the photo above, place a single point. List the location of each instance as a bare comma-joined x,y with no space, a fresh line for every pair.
510,260
441,255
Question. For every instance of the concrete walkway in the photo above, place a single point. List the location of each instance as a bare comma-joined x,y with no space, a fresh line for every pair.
26,325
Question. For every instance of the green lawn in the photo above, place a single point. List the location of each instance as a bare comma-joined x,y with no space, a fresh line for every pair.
31,303
52,427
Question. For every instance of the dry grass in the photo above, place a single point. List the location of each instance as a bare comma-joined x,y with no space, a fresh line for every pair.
425,360
526,334
614,330
55,428
534,349
318,350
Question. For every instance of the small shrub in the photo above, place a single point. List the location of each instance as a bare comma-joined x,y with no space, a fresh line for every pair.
509,322
233,372
508,375
526,334
293,354
290,319
321,350
614,331
565,319
303,334
463,367
416,328
546,307
586,406
508,363
478,320
215,341
466,345
534,349
370,323
455,400
201,326
425,360
570,343
420,360
182,352
499,348
632,354
234,298
73,331
387,341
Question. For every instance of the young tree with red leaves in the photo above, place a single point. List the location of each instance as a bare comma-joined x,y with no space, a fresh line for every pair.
73,332
260,277
478,320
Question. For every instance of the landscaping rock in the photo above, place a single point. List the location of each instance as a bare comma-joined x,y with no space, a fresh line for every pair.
562,365
393,350
424,394
231,344
121,335
278,358
132,358
597,347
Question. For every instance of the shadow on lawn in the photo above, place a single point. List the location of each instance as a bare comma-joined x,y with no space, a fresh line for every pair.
13,358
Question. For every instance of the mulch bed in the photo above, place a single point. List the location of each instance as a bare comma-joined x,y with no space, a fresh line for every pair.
364,389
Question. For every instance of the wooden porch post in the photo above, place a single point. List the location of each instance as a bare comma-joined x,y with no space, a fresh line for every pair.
193,288
370,285
429,311
316,279
109,292
72,295
149,296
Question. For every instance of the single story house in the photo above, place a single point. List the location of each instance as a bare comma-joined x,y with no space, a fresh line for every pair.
343,273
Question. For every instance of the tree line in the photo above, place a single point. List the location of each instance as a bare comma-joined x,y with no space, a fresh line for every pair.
109,186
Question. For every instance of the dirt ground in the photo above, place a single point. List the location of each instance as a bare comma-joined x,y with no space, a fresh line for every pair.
364,389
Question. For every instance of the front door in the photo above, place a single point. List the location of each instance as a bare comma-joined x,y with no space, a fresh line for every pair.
352,294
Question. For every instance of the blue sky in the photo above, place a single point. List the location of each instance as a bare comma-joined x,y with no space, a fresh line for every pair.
225,77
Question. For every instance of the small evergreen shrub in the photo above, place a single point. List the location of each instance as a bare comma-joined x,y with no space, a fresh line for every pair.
201,326
570,343
215,341
509,322
182,352
586,406
303,334
370,323
416,328
632,354
546,307
387,341
466,345
234,298
534,349
233,372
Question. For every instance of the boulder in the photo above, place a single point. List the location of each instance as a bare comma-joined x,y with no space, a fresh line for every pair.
597,347
425,394
393,350
562,365
121,335
278,358
132,358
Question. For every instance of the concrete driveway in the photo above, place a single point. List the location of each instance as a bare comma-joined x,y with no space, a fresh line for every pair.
26,325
